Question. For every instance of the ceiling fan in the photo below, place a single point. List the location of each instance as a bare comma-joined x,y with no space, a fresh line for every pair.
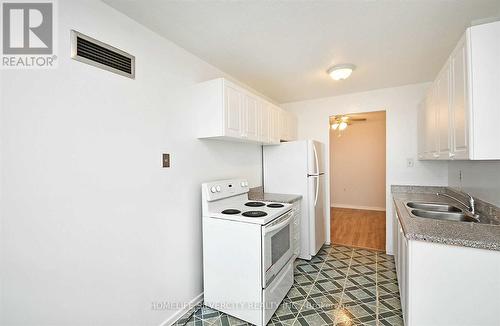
340,122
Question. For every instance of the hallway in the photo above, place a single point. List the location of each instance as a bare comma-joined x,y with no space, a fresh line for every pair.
357,228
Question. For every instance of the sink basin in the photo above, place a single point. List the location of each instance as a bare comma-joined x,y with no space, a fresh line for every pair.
450,216
435,207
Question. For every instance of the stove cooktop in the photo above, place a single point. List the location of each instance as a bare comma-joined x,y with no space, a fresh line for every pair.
240,208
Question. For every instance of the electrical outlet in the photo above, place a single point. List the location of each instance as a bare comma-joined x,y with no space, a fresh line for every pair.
166,160
410,162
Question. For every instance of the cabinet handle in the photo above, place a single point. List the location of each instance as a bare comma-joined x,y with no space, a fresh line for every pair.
435,155
452,154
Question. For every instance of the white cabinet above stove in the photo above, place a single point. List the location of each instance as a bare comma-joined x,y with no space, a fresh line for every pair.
228,111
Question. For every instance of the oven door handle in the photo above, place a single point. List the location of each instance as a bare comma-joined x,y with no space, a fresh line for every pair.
278,226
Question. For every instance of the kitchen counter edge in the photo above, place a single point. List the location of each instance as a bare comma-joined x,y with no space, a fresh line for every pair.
464,234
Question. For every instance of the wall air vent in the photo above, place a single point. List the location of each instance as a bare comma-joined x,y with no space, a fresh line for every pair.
96,53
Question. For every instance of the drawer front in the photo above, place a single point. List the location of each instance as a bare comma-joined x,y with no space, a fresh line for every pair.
277,290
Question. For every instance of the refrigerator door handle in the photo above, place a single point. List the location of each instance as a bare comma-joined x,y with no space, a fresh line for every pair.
317,188
317,192
316,158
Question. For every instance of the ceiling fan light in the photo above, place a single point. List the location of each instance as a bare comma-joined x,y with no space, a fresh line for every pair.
341,72
335,126
342,125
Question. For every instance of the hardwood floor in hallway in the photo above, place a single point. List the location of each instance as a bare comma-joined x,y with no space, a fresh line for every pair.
358,228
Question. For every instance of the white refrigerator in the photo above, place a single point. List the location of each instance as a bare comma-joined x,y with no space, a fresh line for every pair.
297,168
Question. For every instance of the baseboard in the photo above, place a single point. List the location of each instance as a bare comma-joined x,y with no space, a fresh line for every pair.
369,208
176,316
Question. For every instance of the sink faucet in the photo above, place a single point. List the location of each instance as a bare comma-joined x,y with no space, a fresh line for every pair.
471,207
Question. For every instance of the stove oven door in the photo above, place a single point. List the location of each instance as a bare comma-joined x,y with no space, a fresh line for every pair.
276,246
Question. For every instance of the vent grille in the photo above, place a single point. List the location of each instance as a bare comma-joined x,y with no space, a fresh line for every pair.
101,55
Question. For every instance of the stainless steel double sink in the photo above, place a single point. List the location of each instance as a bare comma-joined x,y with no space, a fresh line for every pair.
439,211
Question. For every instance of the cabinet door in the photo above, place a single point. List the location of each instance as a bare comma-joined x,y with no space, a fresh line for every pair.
404,277
292,127
264,118
284,125
443,108
484,45
421,130
459,103
401,257
399,264
275,124
250,118
431,137
233,112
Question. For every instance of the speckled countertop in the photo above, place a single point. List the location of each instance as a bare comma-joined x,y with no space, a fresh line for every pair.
258,194
465,234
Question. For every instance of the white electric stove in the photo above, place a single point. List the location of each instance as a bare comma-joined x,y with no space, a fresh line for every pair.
247,251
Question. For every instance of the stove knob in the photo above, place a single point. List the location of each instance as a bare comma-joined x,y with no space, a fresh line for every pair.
213,189
218,188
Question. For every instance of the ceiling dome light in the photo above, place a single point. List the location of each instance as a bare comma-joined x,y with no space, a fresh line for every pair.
341,72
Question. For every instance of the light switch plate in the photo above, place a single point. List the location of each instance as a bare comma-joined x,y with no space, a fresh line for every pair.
410,162
166,160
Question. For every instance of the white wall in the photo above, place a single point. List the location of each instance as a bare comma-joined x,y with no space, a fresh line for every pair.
400,104
479,178
93,229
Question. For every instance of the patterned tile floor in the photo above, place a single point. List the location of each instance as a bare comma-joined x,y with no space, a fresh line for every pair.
340,286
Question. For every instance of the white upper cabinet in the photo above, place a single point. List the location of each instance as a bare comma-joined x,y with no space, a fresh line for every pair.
442,111
292,127
264,122
459,103
228,111
284,121
420,130
251,118
275,130
233,112
461,113
483,91
288,126
429,139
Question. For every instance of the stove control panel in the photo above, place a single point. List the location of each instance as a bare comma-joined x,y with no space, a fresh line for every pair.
224,188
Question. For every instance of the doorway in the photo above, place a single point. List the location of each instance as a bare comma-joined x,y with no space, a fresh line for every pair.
358,179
